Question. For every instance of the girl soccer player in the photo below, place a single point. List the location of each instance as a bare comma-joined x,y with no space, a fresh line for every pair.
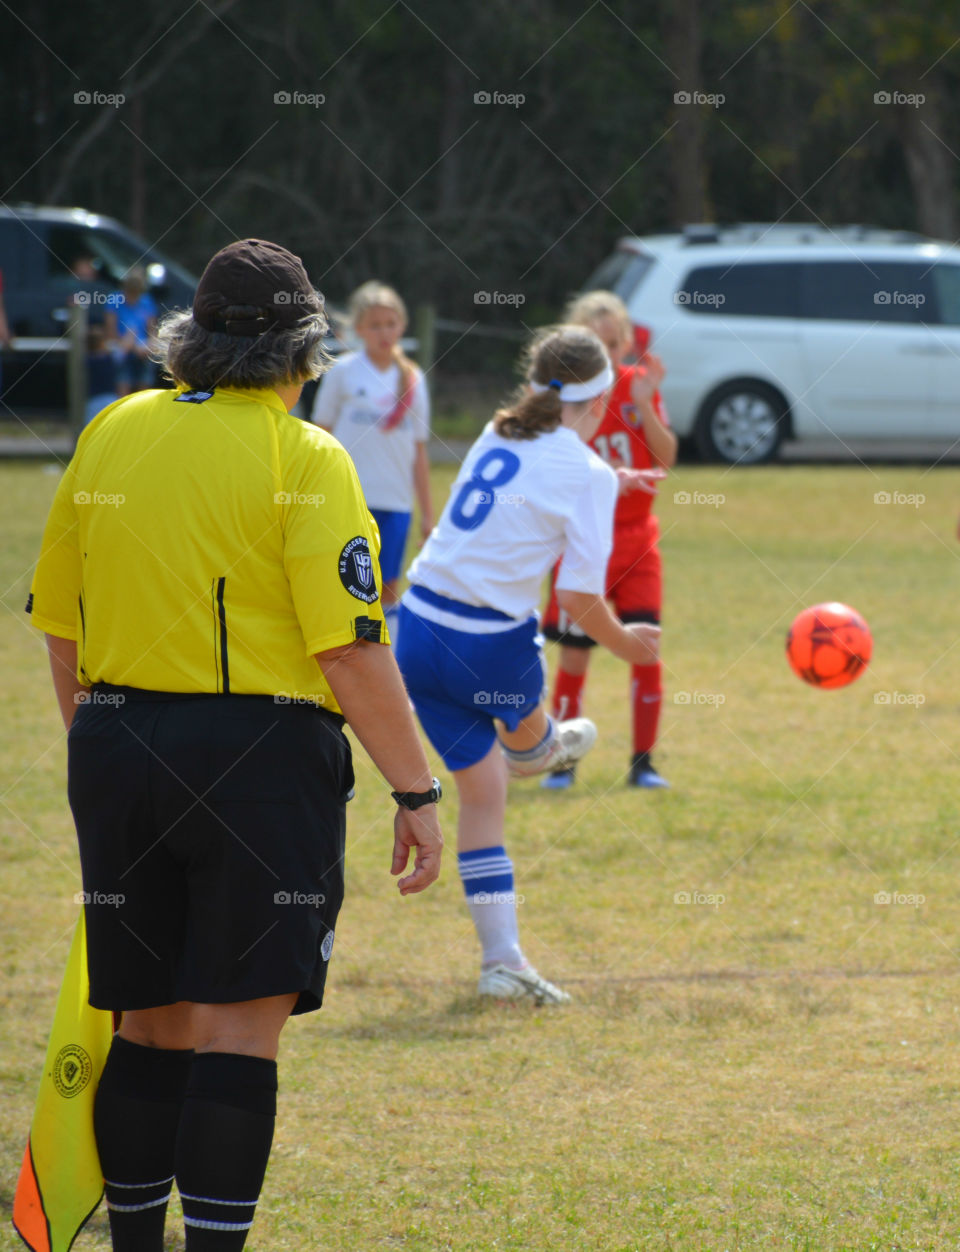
375,402
634,435
528,492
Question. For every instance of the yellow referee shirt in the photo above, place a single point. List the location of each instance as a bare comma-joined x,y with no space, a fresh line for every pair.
208,541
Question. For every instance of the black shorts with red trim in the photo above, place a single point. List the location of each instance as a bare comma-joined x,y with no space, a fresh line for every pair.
211,832
634,586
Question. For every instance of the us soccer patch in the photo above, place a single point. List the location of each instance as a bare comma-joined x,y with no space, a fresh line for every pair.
356,570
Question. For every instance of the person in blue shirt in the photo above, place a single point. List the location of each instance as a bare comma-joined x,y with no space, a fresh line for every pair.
136,327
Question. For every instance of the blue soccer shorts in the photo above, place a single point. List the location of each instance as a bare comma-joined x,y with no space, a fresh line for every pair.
461,682
393,529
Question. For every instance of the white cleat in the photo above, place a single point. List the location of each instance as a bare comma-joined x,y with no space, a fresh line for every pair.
572,740
519,984
575,738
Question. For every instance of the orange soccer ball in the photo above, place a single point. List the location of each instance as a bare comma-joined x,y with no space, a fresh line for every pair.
829,645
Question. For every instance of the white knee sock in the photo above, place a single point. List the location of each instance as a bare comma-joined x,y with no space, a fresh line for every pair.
487,876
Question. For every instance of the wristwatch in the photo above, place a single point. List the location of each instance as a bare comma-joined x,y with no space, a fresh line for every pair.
417,799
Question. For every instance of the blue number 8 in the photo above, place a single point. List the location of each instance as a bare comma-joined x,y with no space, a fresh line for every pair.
483,488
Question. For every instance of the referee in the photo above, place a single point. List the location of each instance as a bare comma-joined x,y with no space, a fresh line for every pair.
209,589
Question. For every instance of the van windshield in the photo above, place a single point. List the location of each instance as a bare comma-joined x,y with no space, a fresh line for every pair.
621,273
113,253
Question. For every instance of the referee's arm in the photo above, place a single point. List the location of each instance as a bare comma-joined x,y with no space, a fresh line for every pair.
369,690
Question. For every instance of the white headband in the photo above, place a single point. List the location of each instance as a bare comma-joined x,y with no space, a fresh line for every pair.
571,393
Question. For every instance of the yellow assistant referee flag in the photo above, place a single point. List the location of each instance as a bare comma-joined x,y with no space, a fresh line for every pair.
61,1182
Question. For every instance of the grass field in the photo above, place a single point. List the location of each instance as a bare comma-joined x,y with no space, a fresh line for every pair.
777,1069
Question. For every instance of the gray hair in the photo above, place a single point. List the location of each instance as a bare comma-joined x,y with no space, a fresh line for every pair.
204,360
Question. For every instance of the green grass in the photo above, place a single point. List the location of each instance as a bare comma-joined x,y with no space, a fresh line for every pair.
778,1071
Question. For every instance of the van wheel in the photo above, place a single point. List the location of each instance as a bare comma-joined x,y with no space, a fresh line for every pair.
741,424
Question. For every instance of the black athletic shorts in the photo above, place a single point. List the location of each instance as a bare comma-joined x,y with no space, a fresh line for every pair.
211,831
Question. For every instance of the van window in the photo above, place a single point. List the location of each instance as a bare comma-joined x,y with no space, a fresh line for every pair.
112,254
621,273
946,284
742,289
868,291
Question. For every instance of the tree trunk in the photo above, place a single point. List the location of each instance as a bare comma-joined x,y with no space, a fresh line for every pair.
684,45
930,166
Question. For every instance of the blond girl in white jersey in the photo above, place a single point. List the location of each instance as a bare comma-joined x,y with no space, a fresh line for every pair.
375,402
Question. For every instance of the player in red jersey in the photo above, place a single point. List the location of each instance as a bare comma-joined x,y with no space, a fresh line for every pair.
635,438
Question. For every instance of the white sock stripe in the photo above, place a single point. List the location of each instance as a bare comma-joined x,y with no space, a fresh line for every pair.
137,1208
480,869
203,1224
205,1199
133,1186
492,859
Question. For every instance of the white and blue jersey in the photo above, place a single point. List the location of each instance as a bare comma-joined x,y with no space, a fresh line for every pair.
469,645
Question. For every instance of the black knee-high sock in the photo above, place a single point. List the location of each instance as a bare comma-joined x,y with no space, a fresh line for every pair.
136,1113
223,1144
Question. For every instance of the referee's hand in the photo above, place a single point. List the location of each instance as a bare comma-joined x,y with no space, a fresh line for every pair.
418,829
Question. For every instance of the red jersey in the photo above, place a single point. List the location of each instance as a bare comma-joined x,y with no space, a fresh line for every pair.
620,441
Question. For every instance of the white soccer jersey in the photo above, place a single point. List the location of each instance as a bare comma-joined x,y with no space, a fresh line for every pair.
516,507
353,399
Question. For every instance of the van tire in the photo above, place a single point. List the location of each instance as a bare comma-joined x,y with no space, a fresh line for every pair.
741,423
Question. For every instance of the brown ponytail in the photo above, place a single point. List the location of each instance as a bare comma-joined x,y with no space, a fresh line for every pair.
565,354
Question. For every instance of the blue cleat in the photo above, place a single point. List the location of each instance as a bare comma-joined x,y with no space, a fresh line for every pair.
560,779
642,774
